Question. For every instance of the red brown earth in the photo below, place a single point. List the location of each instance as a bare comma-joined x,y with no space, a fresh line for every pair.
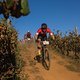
32,71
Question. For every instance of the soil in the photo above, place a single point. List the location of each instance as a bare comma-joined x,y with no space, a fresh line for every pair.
35,71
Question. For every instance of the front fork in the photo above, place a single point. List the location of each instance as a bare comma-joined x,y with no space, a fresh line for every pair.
43,52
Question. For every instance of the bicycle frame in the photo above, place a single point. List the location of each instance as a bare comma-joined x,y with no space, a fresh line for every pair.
43,50
45,55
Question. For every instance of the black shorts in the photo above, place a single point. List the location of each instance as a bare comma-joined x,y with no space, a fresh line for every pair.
43,38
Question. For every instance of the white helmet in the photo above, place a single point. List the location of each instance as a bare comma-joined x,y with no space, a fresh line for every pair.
28,31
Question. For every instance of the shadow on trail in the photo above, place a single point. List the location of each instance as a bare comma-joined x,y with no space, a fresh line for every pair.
45,63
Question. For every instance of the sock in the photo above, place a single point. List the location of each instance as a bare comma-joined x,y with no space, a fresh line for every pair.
39,52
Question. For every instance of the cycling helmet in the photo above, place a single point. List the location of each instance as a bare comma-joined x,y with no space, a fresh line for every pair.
43,26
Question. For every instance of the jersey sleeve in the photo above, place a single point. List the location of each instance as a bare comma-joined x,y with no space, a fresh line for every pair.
49,31
38,31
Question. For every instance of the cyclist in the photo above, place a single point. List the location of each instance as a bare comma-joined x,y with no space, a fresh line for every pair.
27,35
41,35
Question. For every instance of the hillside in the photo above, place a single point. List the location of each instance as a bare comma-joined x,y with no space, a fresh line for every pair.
59,69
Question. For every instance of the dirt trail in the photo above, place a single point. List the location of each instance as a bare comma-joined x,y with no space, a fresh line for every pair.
57,71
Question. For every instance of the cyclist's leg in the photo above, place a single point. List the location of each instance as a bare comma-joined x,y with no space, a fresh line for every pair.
39,44
39,49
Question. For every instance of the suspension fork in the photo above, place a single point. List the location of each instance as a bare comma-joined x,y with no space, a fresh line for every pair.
43,52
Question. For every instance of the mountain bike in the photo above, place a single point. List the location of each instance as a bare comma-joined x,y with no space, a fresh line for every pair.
45,58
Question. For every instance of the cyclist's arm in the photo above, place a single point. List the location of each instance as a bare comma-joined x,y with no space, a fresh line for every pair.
53,37
51,33
37,33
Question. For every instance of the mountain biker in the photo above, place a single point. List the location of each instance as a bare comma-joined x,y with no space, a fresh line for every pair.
41,35
27,35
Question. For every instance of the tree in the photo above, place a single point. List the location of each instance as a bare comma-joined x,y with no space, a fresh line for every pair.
14,8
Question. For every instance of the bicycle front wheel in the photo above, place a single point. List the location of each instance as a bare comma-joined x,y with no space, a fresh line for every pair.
46,60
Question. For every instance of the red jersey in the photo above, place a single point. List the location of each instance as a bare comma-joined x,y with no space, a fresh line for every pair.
28,35
44,32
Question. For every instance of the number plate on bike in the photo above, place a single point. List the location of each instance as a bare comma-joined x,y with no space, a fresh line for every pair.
28,38
46,42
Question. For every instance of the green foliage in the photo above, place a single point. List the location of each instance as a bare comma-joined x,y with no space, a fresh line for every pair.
9,3
14,8
25,7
